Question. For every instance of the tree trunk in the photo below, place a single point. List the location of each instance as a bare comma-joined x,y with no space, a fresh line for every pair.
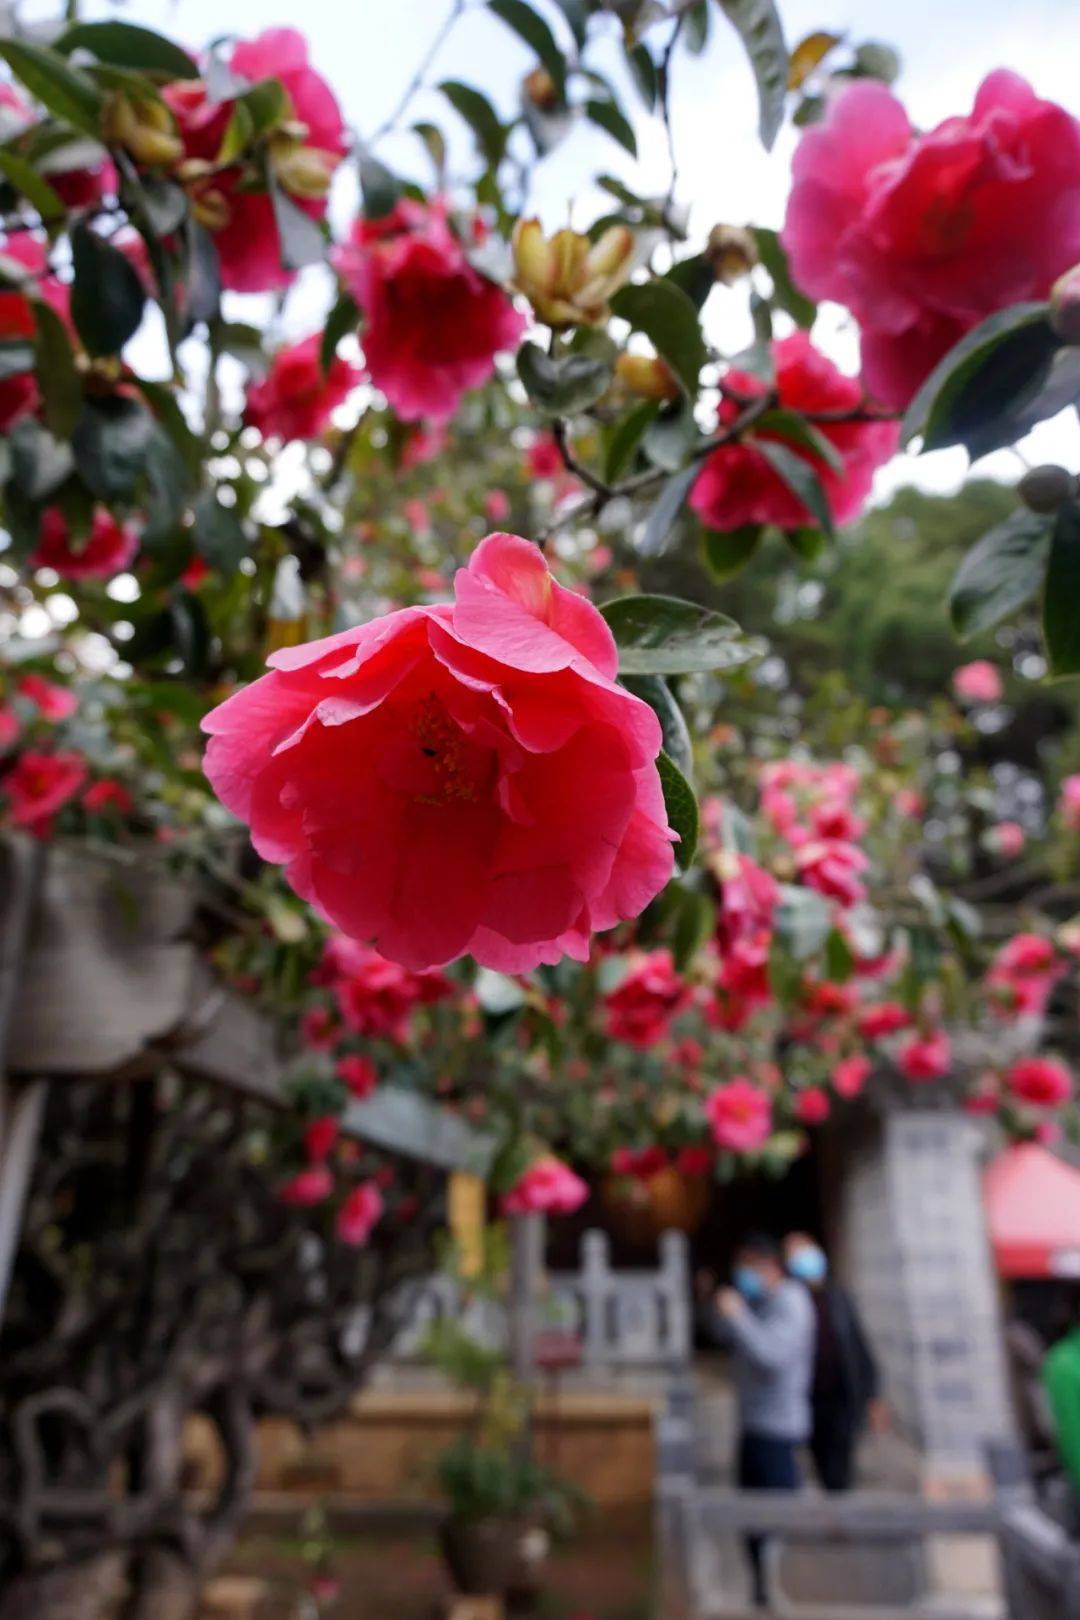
89,1591
164,1587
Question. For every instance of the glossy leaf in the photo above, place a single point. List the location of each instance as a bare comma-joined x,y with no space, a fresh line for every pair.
480,116
669,320
970,396
33,186
1061,603
127,45
530,27
727,553
665,511
379,188
800,478
655,691
57,374
65,90
564,385
107,296
110,445
219,533
609,116
1002,572
786,295
342,319
625,440
757,23
302,239
663,635
796,430
681,807
644,73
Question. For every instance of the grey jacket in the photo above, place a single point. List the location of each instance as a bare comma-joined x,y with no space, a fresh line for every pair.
773,1344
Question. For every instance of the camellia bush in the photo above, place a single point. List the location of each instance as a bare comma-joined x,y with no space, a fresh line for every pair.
337,564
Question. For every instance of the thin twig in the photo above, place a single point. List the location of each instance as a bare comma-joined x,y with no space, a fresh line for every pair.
392,120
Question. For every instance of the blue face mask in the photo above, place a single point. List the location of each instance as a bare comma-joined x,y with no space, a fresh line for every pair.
749,1282
808,1264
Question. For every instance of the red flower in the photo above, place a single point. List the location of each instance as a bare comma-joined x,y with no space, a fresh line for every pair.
51,701
850,1075
296,397
319,1029
832,867
640,1164
1022,976
694,1161
39,784
548,1187
926,1057
9,726
543,458
359,1075
248,244
1042,1081
640,1010
433,324
319,1138
108,794
923,236
375,996
738,486
740,1116
887,1018
360,1214
307,1187
109,548
812,1106
514,805
19,394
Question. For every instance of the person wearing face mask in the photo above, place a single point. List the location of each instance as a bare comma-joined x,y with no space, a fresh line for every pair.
844,1393
768,1320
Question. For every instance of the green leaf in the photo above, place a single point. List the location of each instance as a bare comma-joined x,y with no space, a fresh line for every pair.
644,73
168,413
806,543
435,142
669,320
839,962
681,807
663,635
656,692
481,118
39,462
694,923
37,190
577,15
203,277
802,920
107,296
302,239
342,319
665,511
562,386
982,393
219,533
57,374
696,27
65,90
1002,571
798,431
726,553
164,204
670,440
785,293
379,188
609,116
757,22
129,46
693,276
800,478
110,445
529,26
626,437
1061,603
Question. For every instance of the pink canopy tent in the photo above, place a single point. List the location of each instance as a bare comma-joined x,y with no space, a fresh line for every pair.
1032,1201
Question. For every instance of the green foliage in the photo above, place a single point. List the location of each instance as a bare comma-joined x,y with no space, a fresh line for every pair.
661,635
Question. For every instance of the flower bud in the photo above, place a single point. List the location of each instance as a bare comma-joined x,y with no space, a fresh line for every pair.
646,375
144,128
731,252
1065,306
567,279
540,89
1044,489
210,208
304,171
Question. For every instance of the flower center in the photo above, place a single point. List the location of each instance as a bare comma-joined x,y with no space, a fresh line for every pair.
454,768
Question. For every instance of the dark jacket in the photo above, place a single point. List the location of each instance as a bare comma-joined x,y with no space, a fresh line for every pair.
853,1383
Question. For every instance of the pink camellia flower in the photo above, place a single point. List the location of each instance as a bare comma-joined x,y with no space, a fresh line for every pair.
108,794
742,982
548,1187
9,726
640,1010
1047,1133
739,1115
832,867
433,324
749,898
885,1018
496,506
296,398
319,1029
39,784
51,701
108,549
1069,802
248,244
812,1106
359,1075
910,803
694,1160
1022,975
465,777
359,1215
639,1163
1006,839
375,996
1042,1081
319,1138
737,486
79,186
850,1075
307,1187
925,1057
978,682
923,236
19,393
543,458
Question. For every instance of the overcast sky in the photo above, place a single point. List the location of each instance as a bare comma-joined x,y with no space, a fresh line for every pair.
368,49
